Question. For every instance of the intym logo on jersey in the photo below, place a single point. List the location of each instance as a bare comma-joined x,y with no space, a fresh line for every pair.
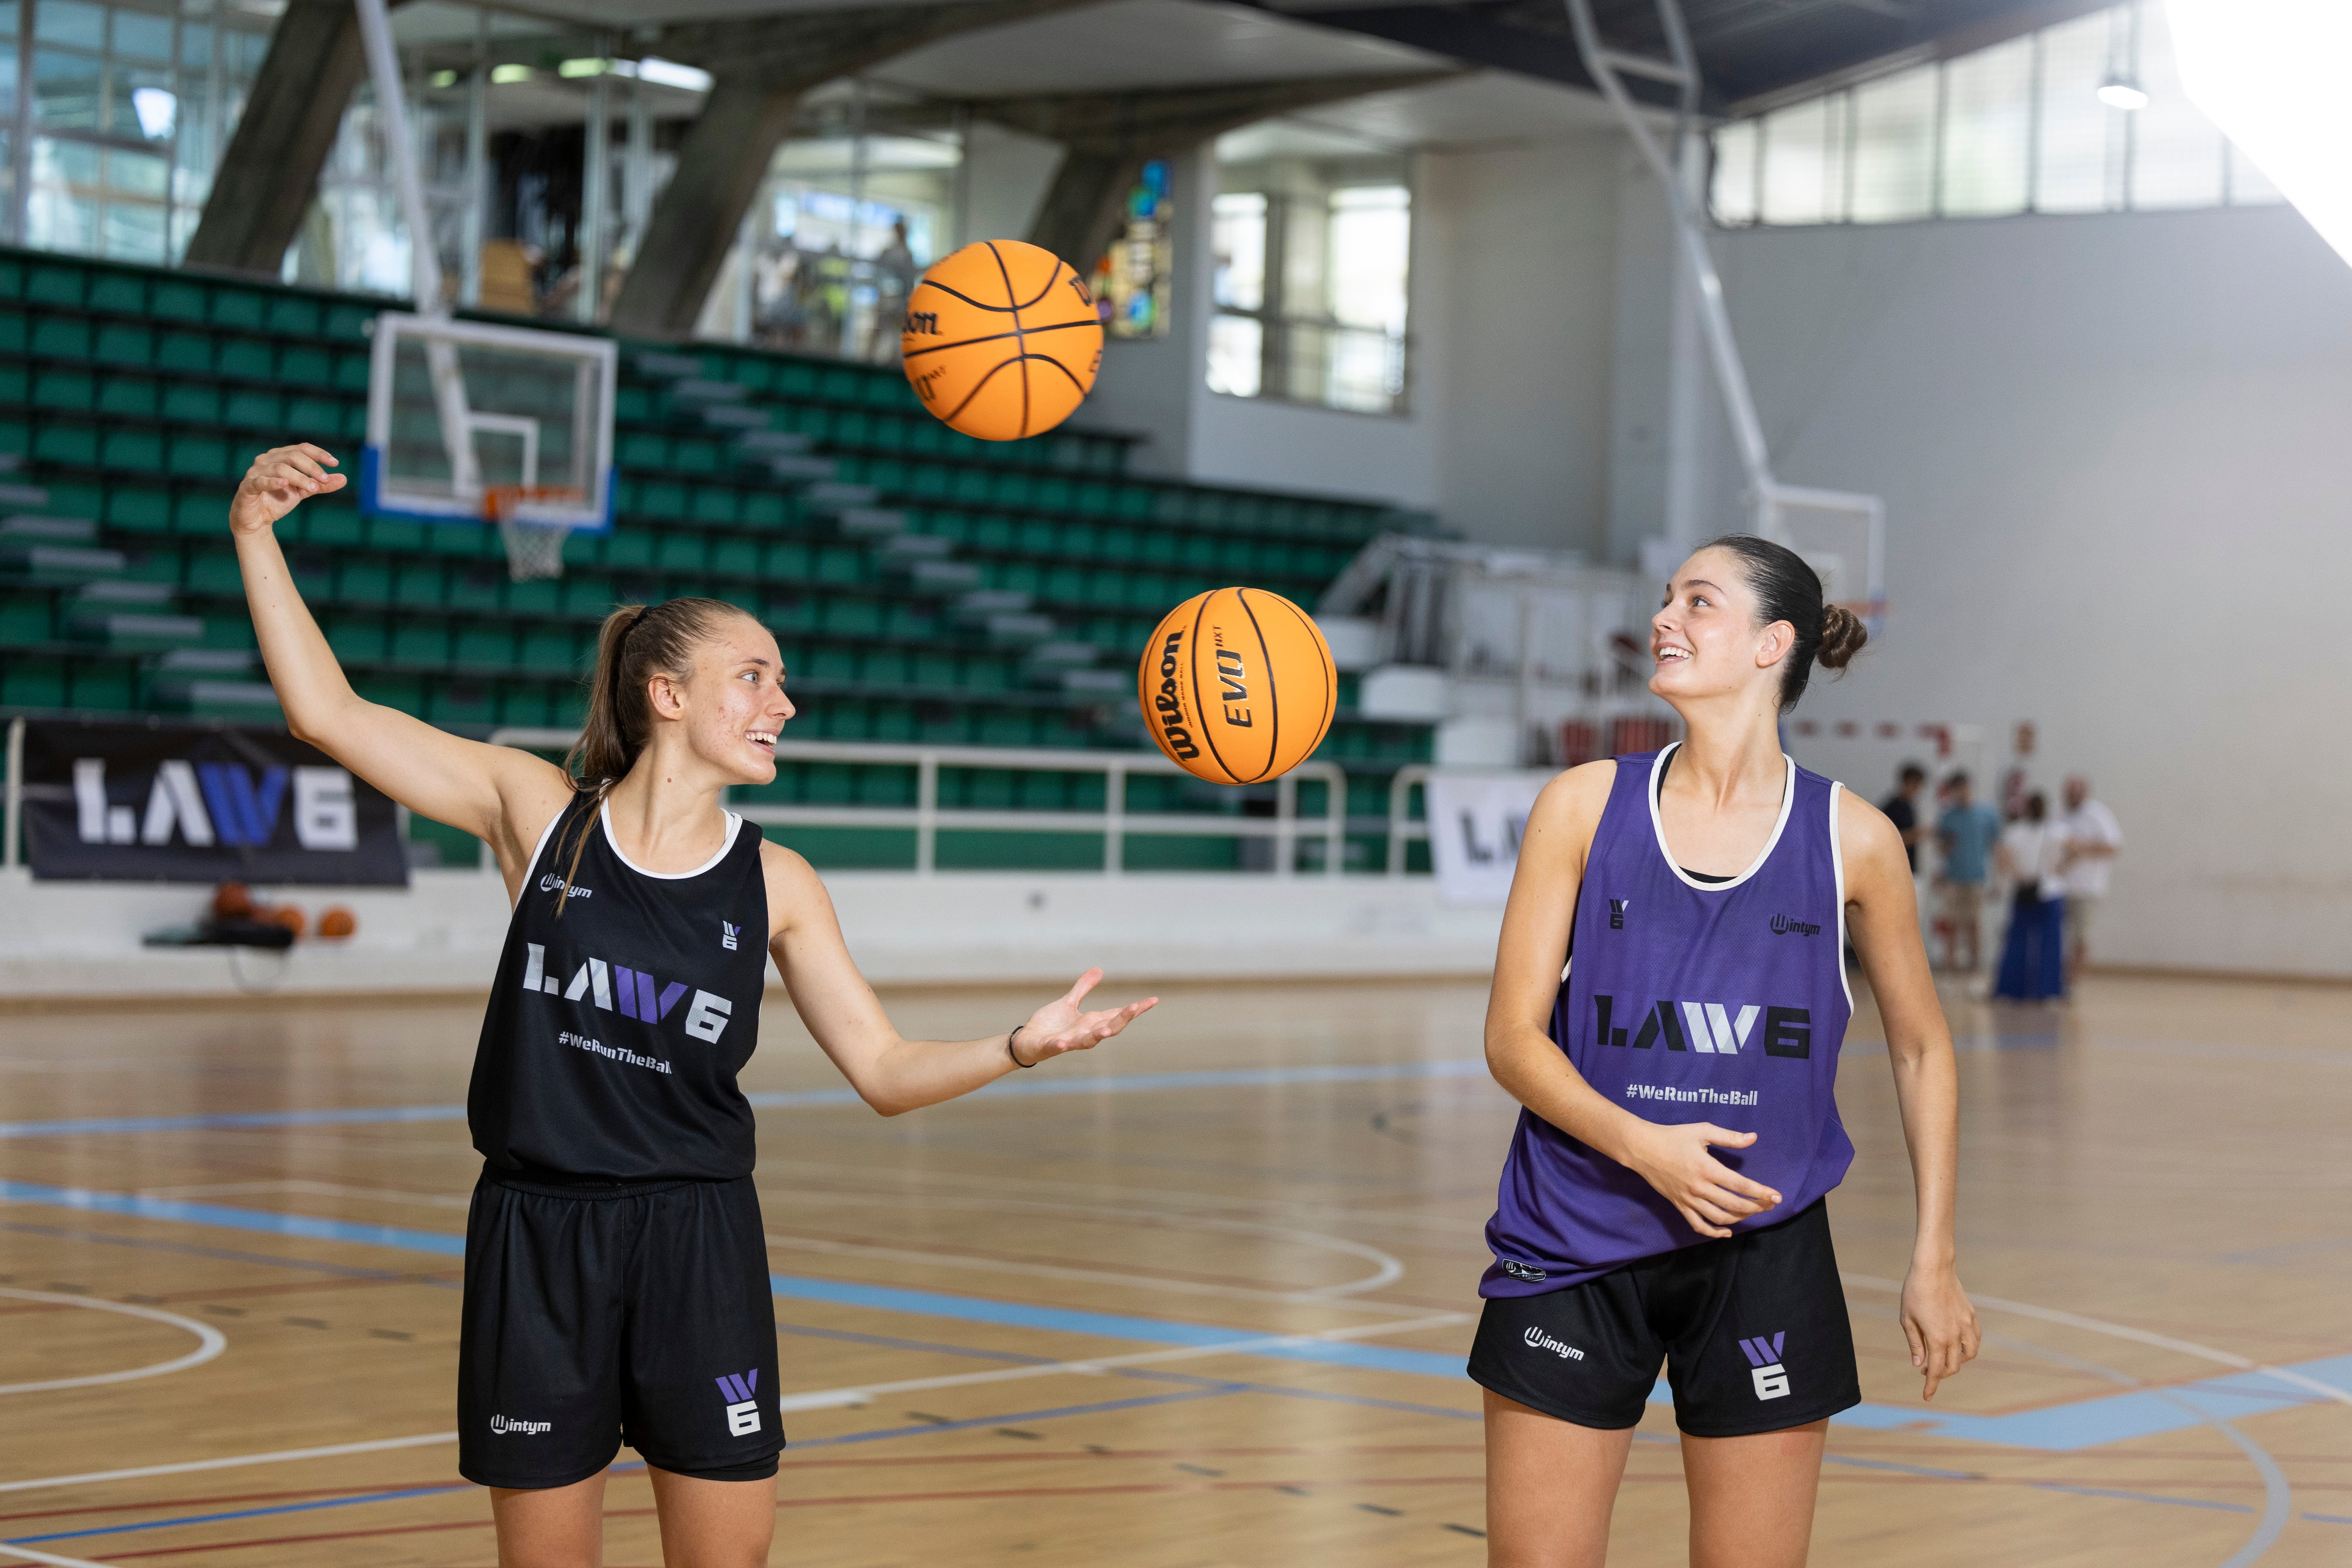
1790,925
1712,1028
1770,1378
743,1411
1617,907
706,1017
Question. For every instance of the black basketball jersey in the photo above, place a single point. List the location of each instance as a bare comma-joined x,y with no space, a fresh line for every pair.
616,1026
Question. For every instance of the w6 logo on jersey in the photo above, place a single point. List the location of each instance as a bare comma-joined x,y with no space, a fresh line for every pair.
633,992
1765,1370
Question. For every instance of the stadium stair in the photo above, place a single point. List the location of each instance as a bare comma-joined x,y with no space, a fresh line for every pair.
925,586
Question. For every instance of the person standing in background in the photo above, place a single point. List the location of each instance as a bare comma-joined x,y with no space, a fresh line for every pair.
1965,835
2093,837
2032,853
1901,808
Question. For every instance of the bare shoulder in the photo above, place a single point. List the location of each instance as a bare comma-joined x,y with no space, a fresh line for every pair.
1869,843
1568,811
533,789
1578,794
794,889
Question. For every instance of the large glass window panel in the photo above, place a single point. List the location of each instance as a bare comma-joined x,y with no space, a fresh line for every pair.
139,36
2071,165
8,79
1988,130
1370,250
140,102
196,45
136,174
1894,147
2248,186
2178,155
71,22
7,18
66,89
1733,191
131,231
61,207
1237,242
1799,155
1237,354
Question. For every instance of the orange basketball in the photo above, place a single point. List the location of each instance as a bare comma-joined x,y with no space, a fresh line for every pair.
1002,340
290,916
337,922
1237,686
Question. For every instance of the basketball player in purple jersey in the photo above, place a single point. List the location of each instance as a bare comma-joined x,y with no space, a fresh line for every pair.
616,1270
1669,998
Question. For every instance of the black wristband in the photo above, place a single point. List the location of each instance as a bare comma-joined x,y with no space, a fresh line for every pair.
1008,1046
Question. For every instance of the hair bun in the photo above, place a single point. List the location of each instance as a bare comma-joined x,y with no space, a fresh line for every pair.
1842,634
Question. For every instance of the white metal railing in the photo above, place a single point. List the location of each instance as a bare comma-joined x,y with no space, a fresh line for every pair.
1400,829
1114,822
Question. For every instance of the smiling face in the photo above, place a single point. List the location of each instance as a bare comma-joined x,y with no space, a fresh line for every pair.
1706,642
732,706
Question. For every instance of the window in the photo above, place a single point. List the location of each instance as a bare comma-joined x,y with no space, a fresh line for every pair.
2016,127
1310,277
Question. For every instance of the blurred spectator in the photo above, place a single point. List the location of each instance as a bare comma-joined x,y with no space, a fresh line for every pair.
2032,853
1901,808
2093,837
1965,835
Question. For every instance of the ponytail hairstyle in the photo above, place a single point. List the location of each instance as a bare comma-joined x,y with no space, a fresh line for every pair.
635,643
1787,589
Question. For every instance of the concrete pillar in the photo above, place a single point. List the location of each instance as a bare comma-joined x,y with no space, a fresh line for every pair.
269,172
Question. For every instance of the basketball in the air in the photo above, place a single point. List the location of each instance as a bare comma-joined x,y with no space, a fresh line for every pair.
1002,340
1237,686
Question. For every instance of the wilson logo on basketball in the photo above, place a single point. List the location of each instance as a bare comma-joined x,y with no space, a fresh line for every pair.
632,993
1170,704
923,322
1711,1029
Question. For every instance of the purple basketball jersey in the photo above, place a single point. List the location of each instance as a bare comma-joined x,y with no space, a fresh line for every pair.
1686,1001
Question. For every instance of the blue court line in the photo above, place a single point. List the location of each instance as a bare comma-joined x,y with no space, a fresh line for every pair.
239,1513
781,1099
2082,1424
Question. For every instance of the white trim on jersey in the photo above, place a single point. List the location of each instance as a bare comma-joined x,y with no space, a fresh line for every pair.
1658,828
1837,871
604,815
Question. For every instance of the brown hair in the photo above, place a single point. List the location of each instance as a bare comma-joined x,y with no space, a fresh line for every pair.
635,643
1788,589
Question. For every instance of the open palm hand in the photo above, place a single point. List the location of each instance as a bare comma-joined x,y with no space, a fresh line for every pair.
1063,1026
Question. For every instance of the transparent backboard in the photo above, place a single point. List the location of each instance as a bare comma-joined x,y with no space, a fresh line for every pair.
470,422
1841,536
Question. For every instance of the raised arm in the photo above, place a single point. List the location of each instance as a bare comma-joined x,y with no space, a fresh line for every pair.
1882,919
501,795
1537,923
890,1072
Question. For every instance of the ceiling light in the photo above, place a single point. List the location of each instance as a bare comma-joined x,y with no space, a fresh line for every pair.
501,75
2269,73
445,79
2122,92
584,67
669,73
156,109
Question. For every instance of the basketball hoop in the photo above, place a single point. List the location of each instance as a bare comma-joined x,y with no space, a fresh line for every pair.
535,520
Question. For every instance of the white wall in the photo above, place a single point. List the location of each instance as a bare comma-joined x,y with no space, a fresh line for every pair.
1520,245
1146,384
1005,179
2118,476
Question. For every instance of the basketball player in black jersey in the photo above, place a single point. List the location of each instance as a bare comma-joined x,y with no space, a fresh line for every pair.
616,1275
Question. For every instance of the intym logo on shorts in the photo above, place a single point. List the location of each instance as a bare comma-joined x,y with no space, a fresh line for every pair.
1537,1340
743,1413
1770,1378
503,1425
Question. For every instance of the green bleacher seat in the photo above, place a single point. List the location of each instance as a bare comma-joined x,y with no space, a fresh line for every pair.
356,639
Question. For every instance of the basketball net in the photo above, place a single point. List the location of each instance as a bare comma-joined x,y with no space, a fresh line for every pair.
534,543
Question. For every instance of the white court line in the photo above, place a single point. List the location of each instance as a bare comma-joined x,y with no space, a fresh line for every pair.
309,1189
2124,1331
29,1555
834,1398
210,1343
231,1462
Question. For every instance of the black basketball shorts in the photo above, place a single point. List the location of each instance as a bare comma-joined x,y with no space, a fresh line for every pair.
638,1315
1752,1329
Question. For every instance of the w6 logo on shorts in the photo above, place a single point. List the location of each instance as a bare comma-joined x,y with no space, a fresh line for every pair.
1771,1379
743,1411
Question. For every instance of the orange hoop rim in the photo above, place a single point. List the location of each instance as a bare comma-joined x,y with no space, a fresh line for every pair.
501,502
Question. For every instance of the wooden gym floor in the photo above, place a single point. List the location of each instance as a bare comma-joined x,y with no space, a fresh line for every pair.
1040,1326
